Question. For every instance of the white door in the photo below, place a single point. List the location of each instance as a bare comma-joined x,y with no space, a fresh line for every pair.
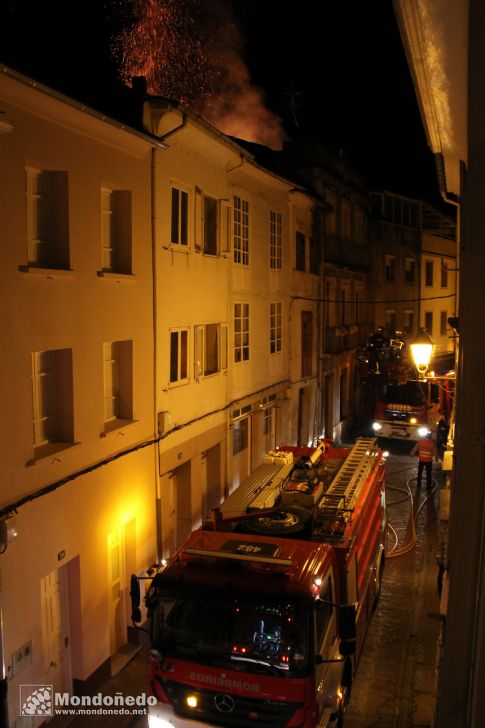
55,630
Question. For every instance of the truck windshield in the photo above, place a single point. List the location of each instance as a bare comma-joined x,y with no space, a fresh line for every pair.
410,393
256,633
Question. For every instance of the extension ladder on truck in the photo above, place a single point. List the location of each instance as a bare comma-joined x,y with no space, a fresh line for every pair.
334,510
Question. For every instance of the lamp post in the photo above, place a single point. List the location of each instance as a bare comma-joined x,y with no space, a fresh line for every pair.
421,350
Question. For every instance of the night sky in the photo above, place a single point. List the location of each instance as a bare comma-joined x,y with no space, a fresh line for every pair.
331,70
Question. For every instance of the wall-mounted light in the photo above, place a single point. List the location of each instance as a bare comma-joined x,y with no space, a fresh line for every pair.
421,350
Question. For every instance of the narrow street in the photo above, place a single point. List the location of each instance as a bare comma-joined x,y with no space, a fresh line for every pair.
395,682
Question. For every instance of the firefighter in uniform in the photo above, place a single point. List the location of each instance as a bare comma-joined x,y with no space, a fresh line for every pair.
425,449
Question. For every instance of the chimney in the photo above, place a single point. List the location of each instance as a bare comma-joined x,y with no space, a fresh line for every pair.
139,85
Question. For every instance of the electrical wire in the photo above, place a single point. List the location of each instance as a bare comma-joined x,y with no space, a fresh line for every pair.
385,300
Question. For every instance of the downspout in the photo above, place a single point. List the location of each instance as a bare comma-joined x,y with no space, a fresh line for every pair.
455,200
156,450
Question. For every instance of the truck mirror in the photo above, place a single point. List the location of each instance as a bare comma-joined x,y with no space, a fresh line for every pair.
347,622
135,599
346,647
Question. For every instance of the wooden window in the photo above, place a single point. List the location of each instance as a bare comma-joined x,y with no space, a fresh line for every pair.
118,383
241,230
180,217
47,219
241,332
179,355
52,394
275,323
116,229
275,240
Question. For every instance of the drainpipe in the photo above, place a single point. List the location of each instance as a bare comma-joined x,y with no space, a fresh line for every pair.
156,451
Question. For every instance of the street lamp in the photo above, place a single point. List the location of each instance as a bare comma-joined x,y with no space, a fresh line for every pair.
421,350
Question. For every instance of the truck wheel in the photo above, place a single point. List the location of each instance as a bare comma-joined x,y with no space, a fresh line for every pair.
284,520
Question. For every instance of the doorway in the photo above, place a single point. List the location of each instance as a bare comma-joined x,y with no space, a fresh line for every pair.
56,629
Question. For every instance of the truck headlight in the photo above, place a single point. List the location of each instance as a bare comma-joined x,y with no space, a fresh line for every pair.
376,426
423,431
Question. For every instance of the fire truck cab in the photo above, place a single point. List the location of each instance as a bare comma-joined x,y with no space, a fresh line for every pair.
260,617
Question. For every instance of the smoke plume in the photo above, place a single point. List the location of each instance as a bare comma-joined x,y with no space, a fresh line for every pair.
191,51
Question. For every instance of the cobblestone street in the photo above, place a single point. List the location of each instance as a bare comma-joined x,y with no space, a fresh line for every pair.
395,682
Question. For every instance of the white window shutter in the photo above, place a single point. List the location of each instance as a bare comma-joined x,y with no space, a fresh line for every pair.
198,351
199,215
225,225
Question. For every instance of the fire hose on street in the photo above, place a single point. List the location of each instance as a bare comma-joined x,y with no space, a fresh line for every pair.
400,551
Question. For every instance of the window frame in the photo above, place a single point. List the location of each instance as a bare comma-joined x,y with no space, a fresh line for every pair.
202,346
275,327
409,314
121,390
428,316
443,323
410,270
116,235
241,343
275,240
241,230
54,366
47,221
390,268
179,332
180,225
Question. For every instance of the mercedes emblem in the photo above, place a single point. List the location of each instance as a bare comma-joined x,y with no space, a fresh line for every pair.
224,703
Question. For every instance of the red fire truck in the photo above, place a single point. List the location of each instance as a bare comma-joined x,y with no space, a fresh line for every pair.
260,616
413,408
